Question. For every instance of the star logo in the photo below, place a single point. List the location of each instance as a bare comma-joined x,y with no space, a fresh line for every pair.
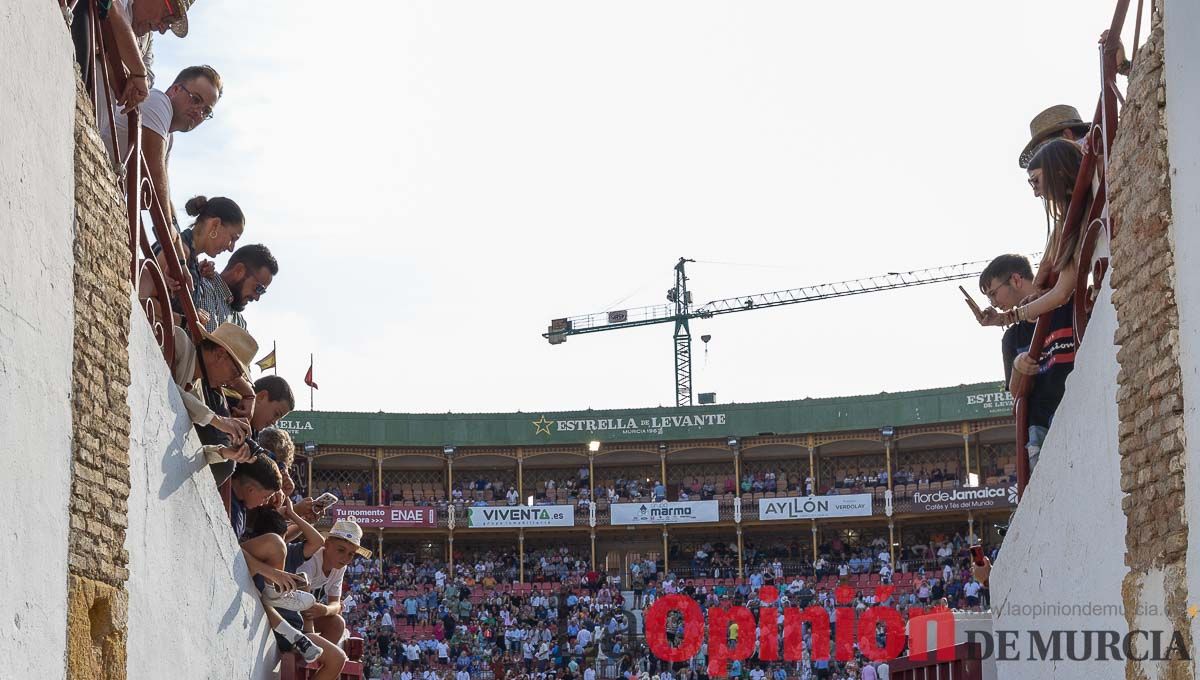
542,425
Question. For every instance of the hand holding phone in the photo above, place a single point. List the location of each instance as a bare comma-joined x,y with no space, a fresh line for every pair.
324,502
972,304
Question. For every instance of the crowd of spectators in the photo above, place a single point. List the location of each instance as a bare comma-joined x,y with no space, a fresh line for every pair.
423,619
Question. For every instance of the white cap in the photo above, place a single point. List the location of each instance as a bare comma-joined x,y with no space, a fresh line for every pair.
348,530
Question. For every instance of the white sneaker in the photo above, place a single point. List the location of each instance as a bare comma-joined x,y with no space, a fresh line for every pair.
306,648
297,600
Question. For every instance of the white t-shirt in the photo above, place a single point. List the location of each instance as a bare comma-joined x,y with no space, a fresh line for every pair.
972,589
317,579
443,650
156,117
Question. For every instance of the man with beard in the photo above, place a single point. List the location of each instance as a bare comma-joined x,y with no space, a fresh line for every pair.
223,297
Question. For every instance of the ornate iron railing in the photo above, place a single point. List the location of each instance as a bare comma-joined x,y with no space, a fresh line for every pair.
1093,172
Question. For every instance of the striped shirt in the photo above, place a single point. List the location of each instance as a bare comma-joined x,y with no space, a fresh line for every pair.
214,297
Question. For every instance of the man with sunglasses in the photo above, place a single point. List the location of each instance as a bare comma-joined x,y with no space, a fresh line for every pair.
223,297
1006,281
182,107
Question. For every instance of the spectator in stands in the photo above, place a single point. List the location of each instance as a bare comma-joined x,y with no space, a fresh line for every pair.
245,278
326,568
1057,122
1006,281
1052,173
273,399
227,353
187,103
270,559
280,448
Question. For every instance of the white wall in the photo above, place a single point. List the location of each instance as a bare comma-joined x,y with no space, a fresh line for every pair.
1182,65
37,88
193,612
1066,543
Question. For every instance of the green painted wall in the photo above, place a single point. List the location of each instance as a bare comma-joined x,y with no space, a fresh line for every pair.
921,407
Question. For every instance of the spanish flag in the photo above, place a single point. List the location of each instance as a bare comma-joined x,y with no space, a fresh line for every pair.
266,362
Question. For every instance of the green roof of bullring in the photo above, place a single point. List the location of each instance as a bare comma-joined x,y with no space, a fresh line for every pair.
920,407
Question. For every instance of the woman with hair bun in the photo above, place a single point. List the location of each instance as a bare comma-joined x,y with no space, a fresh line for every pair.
218,225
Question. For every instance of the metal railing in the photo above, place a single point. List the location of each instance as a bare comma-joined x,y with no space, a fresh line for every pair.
1093,171
104,74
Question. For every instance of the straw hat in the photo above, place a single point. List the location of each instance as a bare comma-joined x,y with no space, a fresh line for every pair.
1051,121
348,530
180,28
235,340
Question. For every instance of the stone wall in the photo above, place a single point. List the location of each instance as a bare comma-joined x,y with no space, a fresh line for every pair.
37,317
1152,441
98,601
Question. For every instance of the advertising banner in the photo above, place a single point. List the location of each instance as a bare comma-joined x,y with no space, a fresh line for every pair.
666,512
514,516
387,517
815,507
963,498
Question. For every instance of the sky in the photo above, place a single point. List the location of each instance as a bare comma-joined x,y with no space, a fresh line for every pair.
439,180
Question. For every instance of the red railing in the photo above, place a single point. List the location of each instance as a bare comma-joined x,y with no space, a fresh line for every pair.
1093,171
965,664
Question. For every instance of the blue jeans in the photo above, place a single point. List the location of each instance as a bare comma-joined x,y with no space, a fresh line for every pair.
1037,435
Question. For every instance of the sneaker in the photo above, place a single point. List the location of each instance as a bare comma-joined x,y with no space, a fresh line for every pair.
297,600
306,648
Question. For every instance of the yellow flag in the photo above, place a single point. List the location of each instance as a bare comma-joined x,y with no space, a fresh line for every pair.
266,362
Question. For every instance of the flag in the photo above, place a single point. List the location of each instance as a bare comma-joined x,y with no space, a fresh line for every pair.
308,379
266,362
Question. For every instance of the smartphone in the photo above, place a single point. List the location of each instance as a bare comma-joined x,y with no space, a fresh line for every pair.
977,555
971,301
325,501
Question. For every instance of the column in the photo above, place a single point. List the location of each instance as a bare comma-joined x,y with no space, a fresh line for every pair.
666,560
966,435
887,443
812,464
521,555
662,467
814,540
520,476
592,480
380,553
378,477
737,470
741,567
311,458
593,550
970,526
449,478
450,551
892,541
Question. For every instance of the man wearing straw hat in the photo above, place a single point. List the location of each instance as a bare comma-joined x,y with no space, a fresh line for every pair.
226,353
1057,121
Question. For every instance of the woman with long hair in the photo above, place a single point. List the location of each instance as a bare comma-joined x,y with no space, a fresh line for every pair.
1052,170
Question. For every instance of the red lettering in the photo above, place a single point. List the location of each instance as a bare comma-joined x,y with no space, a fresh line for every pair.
719,636
893,625
768,625
656,627
843,633
918,633
793,632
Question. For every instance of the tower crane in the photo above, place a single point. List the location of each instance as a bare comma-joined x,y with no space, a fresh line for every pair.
680,310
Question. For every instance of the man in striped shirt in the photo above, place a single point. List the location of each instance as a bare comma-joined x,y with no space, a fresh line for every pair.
223,297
